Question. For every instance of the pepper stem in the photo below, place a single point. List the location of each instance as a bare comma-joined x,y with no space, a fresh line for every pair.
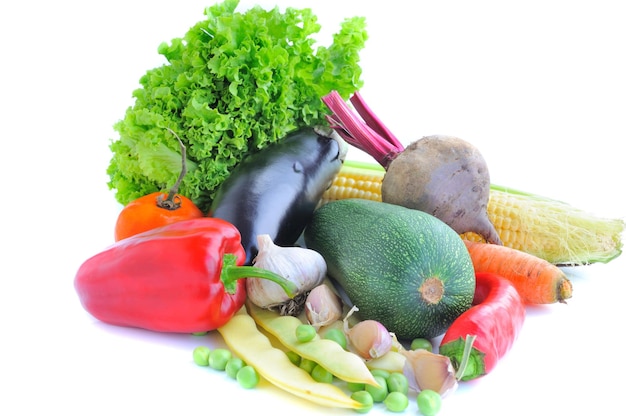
231,272
173,201
469,343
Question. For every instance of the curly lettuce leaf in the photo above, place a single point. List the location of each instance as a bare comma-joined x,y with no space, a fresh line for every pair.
233,84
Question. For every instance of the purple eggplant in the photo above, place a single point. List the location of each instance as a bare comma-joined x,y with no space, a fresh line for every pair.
276,190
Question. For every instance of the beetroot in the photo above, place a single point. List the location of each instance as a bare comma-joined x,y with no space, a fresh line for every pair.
444,176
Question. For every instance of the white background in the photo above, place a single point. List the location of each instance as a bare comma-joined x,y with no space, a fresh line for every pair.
538,86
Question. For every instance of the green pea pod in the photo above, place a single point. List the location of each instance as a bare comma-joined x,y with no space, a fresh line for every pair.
343,364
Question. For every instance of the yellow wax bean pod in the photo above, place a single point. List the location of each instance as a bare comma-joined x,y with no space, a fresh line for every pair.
244,338
392,361
343,364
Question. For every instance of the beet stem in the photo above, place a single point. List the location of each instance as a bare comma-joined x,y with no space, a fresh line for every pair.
376,141
372,120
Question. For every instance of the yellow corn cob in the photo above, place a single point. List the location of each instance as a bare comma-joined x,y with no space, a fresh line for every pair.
546,228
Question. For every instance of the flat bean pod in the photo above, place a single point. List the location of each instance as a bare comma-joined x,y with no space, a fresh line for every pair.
392,361
329,354
244,338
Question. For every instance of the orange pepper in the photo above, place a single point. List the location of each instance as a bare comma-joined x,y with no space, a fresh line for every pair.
158,208
152,211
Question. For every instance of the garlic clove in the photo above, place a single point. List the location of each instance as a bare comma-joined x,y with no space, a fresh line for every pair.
426,370
304,267
322,307
369,339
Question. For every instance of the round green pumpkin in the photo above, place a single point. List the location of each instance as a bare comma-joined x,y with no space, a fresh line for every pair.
402,267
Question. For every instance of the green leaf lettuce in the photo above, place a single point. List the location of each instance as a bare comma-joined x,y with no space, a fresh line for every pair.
233,84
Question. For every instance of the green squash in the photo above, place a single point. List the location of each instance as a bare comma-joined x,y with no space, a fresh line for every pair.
402,267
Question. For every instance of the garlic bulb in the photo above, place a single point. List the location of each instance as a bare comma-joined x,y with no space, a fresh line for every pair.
369,339
304,267
322,306
426,370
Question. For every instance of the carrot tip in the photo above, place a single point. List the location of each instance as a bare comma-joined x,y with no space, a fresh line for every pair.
564,290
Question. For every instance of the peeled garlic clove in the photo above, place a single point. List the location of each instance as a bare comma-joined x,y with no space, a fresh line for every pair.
304,267
426,370
322,306
369,339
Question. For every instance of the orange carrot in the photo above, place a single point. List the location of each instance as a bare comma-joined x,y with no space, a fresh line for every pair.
536,280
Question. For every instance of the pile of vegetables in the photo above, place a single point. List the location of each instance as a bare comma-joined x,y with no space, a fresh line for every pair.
336,303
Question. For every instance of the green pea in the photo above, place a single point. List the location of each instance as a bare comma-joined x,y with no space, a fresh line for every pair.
378,392
233,366
337,335
382,373
294,357
307,365
321,375
352,386
363,397
247,377
397,382
218,358
421,344
201,356
396,401
305,332
429,402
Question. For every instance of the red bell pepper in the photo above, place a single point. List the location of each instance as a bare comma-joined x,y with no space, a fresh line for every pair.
183,277
495,319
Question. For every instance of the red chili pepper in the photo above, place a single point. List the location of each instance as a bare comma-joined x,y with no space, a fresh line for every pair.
495,319
182,277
